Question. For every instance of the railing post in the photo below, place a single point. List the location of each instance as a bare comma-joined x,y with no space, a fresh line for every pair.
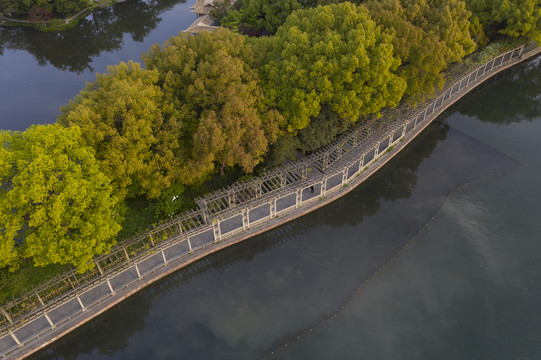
98,266
216,230
298,198
344,176
15,339
245,219
6,315
110,286
80,302
324,186
138,272
48,320
126,253
39,298
180,226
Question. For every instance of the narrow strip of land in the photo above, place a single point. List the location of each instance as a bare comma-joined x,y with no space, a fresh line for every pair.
51,322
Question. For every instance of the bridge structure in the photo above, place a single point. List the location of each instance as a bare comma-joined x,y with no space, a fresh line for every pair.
228,216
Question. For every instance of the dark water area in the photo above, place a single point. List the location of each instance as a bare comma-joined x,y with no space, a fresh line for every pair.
247,300
40,72
469,286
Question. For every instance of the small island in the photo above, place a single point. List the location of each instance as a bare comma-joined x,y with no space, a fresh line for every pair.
48,15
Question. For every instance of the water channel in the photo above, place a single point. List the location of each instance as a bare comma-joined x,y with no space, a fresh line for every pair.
436,256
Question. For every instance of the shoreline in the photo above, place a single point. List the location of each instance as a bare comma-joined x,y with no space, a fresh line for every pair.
104,294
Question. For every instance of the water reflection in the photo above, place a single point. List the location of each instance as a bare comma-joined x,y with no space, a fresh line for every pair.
239,303
395,181
74,49
522,85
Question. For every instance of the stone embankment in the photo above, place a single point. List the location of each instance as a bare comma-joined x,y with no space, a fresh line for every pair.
227,217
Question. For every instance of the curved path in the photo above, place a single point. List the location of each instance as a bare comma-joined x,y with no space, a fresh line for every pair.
23,339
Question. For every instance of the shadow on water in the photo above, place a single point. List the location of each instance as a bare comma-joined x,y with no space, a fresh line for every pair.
521,84
252,298
73,49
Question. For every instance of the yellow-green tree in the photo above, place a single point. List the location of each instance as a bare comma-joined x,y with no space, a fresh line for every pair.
56,206
448,20
211,86
331,55
121,118
265,15
427,36
510,17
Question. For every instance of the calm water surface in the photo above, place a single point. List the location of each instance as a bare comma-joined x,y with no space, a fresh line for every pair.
395,270
39,72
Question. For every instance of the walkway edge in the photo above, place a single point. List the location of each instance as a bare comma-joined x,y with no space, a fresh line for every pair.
45,336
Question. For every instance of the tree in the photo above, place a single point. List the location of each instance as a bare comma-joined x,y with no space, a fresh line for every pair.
56,206
421,52
449,20
121,118
265,15
211,86
38,14
59,6
514,18
427,36
332,55
323,129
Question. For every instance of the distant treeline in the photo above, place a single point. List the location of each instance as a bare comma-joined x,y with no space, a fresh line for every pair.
286,78
41,8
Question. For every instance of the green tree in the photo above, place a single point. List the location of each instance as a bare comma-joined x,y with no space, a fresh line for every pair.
323,129
331,55
265,15
514,18
56,206
121,118
428,35
64,7
211,86
449,20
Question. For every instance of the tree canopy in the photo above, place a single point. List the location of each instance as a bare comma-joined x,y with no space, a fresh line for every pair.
264,15
427,36
121,118
212,87
331,55
56,206
514,18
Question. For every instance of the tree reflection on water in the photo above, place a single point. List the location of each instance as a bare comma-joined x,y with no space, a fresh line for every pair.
74,49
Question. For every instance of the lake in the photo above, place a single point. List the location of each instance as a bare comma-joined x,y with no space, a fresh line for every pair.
435,256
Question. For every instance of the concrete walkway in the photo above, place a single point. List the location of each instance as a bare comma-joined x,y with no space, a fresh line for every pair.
83,306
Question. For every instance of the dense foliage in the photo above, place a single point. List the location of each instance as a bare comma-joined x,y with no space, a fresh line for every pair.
265,16
331,55
56,206
120,116
427,36
513,18
63,7
212,90
221,101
